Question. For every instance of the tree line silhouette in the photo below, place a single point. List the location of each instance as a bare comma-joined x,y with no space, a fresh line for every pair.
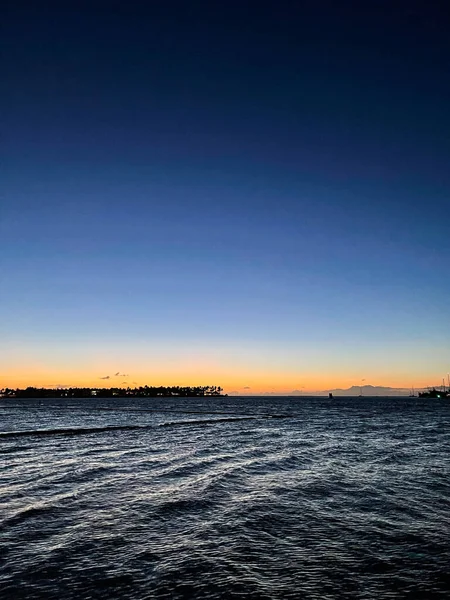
137,392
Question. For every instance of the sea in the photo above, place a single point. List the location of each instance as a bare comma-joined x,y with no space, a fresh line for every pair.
249,498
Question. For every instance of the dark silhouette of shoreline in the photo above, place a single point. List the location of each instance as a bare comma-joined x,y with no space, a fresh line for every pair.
434,393
114,392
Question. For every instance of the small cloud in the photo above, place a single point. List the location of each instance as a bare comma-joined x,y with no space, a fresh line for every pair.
135,383
59,385
247,387
125,375
124,382
117,374
107,377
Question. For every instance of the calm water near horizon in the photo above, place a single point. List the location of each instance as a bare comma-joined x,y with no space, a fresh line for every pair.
348,498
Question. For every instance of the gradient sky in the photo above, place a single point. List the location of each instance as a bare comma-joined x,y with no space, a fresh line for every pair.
253,195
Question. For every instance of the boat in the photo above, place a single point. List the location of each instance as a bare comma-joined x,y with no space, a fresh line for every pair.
434,393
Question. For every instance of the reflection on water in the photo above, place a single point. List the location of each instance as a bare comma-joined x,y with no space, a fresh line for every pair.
341,499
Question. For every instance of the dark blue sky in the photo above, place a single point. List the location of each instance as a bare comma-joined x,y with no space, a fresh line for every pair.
272,177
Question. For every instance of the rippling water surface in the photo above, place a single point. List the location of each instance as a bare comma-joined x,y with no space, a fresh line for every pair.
154,499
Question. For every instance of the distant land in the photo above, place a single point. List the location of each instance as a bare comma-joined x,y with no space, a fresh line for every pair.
137,392
217,391
354,390
369,390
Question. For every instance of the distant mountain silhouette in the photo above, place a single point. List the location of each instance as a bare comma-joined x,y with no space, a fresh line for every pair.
369,390
354,390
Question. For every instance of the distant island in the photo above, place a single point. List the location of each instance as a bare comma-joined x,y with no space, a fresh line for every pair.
378,390
137,392
368,390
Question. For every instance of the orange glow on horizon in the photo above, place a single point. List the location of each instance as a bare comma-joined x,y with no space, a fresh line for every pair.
245,384
243,368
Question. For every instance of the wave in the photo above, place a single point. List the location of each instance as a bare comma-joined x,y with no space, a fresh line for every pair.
69,407
72,430
207,421
106,428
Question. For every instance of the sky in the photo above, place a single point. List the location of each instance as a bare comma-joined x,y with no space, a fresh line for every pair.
246,194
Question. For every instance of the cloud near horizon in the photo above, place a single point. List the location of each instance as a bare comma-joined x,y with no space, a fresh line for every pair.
107,377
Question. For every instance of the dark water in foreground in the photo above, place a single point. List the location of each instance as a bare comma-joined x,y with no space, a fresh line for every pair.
346,499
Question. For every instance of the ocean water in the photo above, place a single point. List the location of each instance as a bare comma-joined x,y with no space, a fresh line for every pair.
216,498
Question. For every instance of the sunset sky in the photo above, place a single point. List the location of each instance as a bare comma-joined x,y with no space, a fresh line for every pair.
246,196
